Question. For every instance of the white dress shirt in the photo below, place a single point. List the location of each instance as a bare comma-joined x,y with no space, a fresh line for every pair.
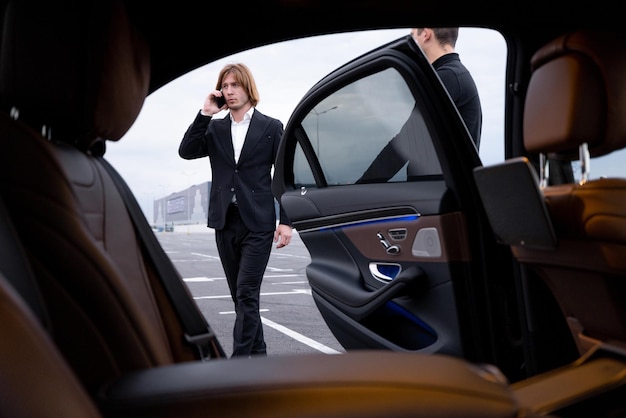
239,130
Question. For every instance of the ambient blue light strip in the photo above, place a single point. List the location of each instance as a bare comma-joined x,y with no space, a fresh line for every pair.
376,221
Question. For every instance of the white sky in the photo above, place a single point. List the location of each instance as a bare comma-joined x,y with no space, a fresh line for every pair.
147,157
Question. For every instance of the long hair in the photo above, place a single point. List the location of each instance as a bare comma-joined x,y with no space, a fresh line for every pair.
244,77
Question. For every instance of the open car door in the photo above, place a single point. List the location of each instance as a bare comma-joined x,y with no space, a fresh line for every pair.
397,253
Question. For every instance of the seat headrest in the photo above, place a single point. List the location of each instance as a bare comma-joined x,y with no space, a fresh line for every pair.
79,69
576,95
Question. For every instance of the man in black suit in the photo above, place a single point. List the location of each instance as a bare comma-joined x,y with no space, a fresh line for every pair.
242,148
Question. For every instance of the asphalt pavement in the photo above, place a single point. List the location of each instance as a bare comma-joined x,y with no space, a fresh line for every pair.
291,322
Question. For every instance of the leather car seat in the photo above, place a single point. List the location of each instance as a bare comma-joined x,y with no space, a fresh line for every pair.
573,235
108,312
35,380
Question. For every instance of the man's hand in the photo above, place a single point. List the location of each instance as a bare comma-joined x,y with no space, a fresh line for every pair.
282,236
211,105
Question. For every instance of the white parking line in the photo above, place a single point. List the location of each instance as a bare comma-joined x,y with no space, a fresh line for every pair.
280,328
299,337
286,255
293,292
207,256
281,275
233,312
212,279
298,282
202,279
291,333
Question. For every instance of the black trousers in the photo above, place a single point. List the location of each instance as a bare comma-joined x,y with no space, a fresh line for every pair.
244,255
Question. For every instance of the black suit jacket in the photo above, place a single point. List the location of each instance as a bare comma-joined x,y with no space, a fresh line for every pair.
249,179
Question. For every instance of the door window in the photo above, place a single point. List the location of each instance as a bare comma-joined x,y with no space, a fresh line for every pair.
370,131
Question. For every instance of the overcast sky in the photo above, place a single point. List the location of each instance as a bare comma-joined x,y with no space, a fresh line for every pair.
147,157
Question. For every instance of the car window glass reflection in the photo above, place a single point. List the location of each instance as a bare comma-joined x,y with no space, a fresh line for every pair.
351,127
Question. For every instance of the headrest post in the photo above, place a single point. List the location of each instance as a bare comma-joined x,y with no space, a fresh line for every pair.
46,132
544,170
583,152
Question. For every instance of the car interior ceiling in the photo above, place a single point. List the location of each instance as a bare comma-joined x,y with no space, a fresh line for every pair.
92,330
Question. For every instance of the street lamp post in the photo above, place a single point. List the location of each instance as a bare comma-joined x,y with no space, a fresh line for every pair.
317,125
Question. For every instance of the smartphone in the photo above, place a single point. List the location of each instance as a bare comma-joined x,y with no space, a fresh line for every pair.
220,101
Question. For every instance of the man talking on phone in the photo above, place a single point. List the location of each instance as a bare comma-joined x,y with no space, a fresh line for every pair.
242,149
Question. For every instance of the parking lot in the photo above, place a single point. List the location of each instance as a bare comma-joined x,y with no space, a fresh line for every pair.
291,322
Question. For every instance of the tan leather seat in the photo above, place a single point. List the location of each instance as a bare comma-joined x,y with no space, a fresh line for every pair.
68,213
575,109
36,381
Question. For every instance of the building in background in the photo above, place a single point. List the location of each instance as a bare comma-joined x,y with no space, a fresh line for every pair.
186,207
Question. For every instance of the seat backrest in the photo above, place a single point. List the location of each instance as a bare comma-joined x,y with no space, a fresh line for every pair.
66,209
15,267
36,381
576,95
574,109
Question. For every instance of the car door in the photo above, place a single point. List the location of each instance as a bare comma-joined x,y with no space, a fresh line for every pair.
398,244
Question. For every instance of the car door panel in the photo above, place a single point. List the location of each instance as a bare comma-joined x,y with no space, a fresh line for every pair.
418,292
425,239
391,265
335,205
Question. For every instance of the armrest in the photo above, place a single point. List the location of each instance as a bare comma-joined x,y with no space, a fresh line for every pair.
363,383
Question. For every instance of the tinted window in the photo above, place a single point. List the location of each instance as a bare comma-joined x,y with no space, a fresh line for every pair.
367,134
